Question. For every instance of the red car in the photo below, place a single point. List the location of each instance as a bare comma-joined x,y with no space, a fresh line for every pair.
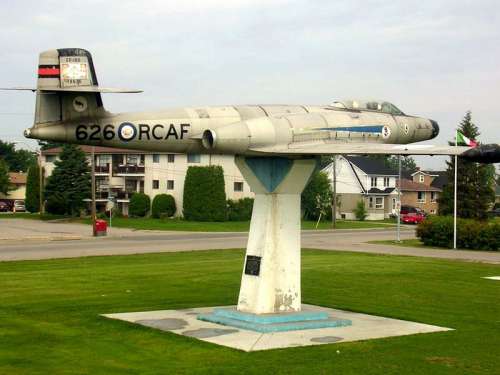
411,215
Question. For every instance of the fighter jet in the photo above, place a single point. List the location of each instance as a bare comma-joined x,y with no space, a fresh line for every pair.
275,148
69,108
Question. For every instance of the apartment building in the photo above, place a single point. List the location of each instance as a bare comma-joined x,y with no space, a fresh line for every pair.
121,172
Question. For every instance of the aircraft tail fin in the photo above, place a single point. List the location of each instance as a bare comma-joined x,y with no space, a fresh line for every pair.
66,68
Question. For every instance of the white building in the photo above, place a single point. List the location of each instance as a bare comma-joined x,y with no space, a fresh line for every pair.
367,179
121,172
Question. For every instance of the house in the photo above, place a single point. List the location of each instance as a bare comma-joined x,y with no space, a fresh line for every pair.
366,179
121,172
18,181
424,189
420,195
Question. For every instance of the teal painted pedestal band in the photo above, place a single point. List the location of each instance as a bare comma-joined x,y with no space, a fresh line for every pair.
270,171
266,323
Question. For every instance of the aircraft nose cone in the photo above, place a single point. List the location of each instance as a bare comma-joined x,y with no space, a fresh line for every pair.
435,128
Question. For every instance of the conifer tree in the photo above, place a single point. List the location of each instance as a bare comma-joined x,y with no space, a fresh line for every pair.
32,201
70,180
475,182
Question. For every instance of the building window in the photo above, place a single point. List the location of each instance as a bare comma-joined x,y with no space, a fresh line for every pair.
379,203
421,196
433,211
171,158
386,181
370,202
156,184
433,196
193,158
130,186
50,158
373,181
156,158
132,159
238,186
170,184
421,178
102,160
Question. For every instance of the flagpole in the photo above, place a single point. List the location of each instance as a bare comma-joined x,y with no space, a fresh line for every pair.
455,197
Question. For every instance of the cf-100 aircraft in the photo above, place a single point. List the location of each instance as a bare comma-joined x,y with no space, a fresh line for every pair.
276,149
69,108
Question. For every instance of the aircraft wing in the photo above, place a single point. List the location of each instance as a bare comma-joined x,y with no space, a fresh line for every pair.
485,153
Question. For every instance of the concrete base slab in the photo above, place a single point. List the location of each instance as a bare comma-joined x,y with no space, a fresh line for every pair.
364,327
492,278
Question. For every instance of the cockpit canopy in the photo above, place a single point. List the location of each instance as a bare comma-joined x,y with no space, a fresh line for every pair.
369,105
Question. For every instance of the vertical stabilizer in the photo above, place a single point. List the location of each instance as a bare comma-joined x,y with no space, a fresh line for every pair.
66,69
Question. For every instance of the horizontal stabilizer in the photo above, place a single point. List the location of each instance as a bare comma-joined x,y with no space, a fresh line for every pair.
18,88
90,89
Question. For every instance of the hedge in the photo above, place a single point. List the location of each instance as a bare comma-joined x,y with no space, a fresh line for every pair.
471,234
239,210
204,194
163,206
139,205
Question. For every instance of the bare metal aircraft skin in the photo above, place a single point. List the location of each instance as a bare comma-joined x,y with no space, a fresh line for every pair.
69,109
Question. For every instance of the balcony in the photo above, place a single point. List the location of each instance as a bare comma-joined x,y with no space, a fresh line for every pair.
129,169
101,169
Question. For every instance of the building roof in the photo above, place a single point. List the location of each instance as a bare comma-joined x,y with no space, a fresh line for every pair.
441,180
388,190
98,150
409,185
371,165
17,178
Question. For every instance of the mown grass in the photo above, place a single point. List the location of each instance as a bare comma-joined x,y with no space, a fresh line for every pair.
198,226
50,319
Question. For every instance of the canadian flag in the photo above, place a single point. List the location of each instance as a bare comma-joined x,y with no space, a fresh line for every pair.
463,140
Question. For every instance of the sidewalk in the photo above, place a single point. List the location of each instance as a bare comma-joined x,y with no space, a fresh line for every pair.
492,257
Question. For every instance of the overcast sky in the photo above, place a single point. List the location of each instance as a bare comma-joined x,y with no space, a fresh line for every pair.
431,58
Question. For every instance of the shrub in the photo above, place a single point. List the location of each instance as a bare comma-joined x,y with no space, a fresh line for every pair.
360,210
139,205
471,234
204,194
239,210
163,206
56,204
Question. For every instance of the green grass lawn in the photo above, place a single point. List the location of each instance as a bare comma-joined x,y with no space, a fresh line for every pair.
50,323
199,226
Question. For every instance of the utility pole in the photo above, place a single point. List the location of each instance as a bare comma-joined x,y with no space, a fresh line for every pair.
93,209
455,190
399,200
40,183
334,207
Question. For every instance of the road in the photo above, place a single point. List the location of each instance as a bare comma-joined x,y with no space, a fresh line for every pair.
60,242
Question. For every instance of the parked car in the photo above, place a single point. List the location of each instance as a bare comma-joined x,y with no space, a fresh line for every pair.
412,215
4,207
19,206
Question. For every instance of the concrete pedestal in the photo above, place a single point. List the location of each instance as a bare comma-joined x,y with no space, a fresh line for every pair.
270,282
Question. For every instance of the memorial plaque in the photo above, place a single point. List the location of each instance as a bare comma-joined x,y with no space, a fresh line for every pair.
252,265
